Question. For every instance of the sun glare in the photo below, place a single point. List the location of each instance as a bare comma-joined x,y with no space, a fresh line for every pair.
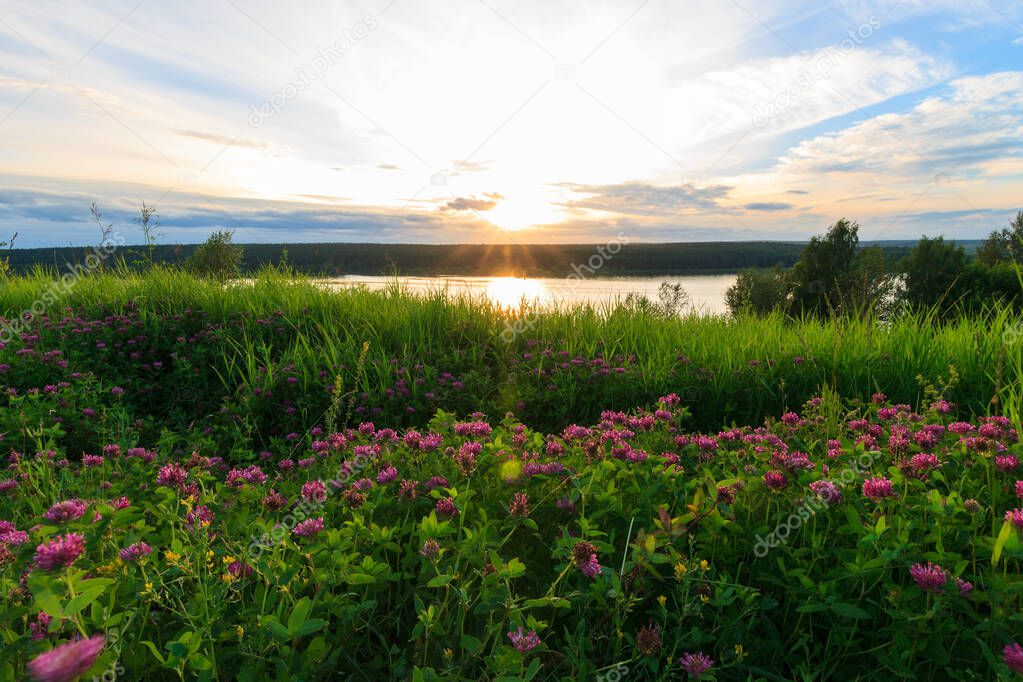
521,211
510,292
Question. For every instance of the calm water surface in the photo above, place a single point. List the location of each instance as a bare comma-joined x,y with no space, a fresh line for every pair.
707,292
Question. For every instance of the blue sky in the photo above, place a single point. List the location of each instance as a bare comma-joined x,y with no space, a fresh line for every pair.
499,121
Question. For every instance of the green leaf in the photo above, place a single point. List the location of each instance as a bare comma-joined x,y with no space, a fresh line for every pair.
84,585
850,611
316,650
471,644
278,630
360,579
309,627
557,602
200,662
81,601
440,581
1003,537
515,568
299,613
50,603
177,649
156,652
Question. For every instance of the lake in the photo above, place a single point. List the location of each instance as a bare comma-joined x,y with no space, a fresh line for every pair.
706,291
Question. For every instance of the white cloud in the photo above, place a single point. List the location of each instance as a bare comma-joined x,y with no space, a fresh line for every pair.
959,132
960,151
788,93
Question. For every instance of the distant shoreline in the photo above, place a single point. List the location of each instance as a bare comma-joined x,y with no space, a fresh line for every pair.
636,259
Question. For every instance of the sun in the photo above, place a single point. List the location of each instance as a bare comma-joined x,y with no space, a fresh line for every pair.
522,210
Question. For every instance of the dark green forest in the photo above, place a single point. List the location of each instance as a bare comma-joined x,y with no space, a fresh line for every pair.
529,260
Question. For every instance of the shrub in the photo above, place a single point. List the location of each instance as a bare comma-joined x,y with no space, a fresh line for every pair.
216,258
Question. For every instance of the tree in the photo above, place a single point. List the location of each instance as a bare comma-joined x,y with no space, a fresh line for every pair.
934,274
1003,245
217,257
823,274
758,291
871,287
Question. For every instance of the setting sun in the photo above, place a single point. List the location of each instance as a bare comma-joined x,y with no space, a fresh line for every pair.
517,214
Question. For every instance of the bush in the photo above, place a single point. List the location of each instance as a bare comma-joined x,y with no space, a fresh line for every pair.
216,258
758,291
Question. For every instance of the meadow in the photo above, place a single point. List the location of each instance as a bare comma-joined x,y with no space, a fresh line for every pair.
269,480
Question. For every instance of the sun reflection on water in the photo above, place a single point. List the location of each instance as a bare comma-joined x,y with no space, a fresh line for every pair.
510,292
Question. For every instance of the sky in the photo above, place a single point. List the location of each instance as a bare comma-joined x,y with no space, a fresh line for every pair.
501,121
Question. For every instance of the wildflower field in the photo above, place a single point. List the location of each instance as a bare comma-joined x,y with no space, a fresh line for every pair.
273,481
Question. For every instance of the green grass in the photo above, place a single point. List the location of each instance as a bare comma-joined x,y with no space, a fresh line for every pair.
737,370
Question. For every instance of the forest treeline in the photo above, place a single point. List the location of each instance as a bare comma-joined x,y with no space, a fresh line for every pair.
526,260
